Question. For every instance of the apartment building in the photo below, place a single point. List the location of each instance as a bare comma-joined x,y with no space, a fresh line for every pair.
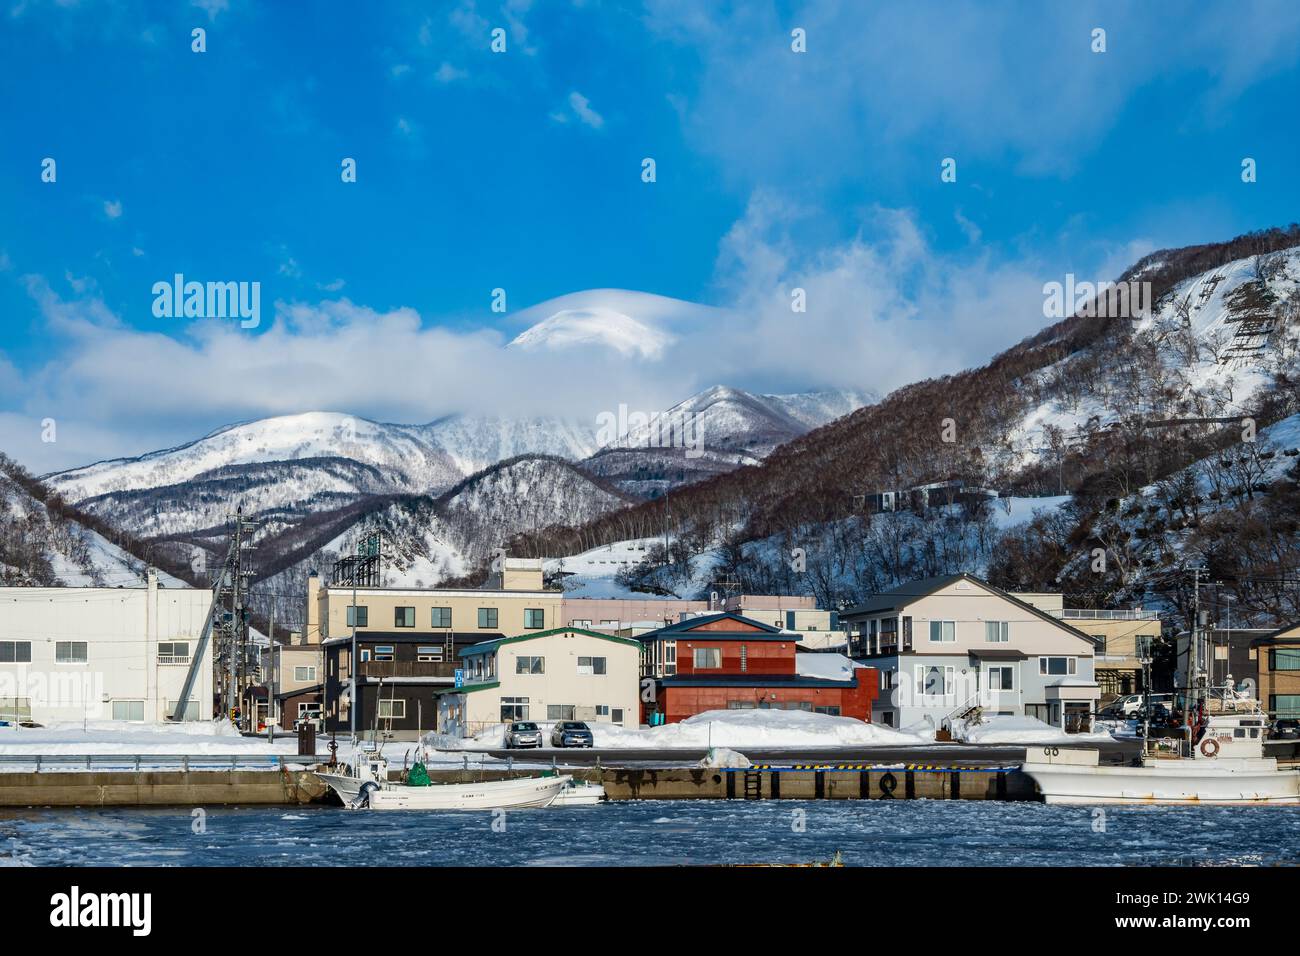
815,628
295,682
567,673
945,646
1278,657
409,641
103,653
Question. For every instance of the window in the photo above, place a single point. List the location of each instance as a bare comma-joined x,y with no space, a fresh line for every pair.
530,665
616,715
830,710
431,652
708,658
392,709
487,617
383,652
591,665
534,618
1284,706
744,658
1279,659
514,708
304,673
1001,677
997,632
602,710
1056,666
440,617
15,652
943,632
174,652
128,710
559,712
365,654
670,658
189,712
70,652
934,680
358,615
404,617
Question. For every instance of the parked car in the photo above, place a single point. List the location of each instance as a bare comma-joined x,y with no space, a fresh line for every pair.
1286,729
572,733
1130,705
523,733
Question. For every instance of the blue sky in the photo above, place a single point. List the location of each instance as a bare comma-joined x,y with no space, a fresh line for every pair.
522,170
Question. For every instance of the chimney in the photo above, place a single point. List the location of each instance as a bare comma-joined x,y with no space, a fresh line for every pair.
311,633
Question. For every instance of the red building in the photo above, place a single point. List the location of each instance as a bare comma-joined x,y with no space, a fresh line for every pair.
729,662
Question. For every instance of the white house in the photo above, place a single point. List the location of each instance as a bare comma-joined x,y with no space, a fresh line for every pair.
568,673
101,653
949,644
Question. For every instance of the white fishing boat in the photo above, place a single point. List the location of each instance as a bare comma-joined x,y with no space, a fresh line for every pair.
367,786
580,794
1227,766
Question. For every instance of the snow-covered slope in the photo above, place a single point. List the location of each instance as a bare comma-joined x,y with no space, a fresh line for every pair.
41,548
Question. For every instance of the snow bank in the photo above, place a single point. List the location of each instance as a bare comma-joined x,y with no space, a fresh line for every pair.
192,738
720,757
753,729
1022,730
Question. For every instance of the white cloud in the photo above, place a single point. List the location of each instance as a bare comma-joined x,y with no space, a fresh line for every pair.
446,73
581,107
113,208
211,7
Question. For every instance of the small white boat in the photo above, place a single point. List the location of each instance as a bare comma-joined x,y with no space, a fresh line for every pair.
580,794
1227,767
368,786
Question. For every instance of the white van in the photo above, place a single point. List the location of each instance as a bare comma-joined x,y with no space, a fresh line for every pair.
1131,704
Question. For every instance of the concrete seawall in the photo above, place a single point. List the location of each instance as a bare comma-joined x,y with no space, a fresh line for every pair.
118,788
295,787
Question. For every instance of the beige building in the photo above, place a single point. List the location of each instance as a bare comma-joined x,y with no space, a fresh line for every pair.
1118,634
295,676
517,605
951,646
564,674
817,629
409,641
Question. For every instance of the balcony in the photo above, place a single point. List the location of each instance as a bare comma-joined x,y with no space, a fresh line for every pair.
1089,614
386,669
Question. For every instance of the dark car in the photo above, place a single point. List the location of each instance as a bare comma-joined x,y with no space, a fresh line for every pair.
572,733
523,733
1286,729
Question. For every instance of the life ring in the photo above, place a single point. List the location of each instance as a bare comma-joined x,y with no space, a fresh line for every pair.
1210,747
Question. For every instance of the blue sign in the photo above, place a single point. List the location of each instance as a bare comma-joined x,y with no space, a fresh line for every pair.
460,677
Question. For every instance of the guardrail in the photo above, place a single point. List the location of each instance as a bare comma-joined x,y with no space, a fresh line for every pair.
153,761
1086,614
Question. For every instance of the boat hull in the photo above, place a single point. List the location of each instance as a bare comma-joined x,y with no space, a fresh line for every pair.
1218,783
580,795
518,793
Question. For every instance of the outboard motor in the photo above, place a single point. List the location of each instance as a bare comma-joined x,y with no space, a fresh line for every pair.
363,797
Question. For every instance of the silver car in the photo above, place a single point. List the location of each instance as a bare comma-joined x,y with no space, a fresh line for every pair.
523,733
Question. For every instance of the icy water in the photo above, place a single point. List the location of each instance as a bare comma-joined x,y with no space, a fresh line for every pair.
878,833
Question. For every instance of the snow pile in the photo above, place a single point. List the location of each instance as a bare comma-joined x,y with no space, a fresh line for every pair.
192,738
823,666
1021,730
721,757
756,729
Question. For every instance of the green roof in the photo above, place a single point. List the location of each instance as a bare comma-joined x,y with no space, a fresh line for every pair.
484,647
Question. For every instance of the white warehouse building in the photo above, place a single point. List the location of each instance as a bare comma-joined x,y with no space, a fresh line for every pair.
102,653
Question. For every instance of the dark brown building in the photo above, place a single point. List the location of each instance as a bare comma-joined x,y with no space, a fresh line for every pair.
399,676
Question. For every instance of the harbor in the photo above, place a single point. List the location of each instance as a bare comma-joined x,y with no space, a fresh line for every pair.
660,833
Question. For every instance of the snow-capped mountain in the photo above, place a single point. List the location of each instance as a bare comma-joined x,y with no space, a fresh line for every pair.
712,432
631,324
